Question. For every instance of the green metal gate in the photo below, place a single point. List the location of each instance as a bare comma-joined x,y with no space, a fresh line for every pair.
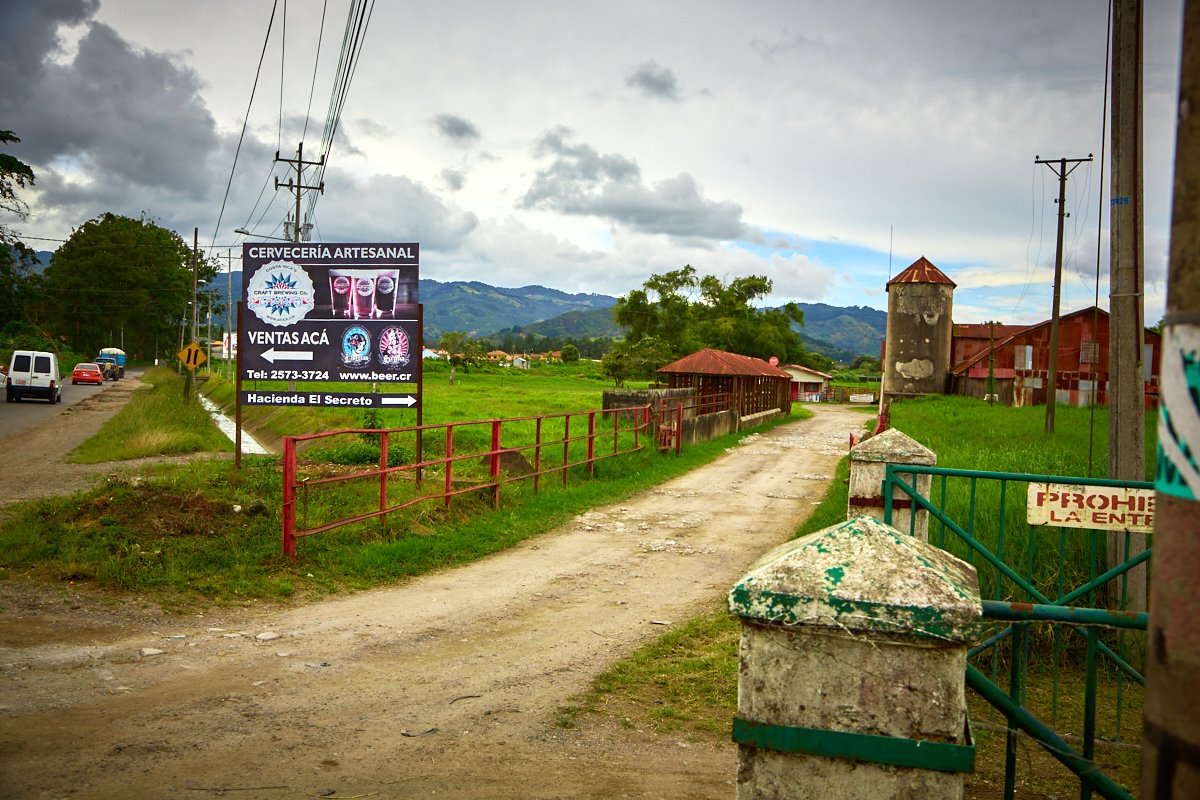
1058,629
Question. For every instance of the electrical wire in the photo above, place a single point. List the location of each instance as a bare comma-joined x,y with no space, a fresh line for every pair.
357,21
1100,233
245,123
316,62
282,76
1033,219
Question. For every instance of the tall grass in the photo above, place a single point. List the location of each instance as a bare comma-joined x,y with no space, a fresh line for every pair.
968,434
154,422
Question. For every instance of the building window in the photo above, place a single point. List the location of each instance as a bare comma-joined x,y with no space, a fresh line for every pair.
1089,352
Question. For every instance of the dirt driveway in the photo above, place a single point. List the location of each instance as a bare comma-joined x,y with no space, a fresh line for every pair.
445,686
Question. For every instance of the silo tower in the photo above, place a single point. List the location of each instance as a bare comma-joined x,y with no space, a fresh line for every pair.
916,357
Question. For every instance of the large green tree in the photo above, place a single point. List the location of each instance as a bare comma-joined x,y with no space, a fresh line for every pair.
721,315
20,283
126,279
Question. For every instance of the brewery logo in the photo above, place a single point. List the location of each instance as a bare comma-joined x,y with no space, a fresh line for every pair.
280,293
393,347
356,347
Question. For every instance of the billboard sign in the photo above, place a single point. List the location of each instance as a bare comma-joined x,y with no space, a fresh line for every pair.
317,311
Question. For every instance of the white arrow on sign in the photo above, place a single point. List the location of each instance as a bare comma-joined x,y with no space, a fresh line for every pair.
274,355
399,400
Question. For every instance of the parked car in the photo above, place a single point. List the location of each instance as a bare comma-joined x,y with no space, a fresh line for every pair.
87,372
33,373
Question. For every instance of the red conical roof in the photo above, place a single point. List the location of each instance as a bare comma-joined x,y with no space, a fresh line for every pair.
921,271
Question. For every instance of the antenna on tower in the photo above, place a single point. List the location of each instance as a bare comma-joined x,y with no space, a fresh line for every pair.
891,239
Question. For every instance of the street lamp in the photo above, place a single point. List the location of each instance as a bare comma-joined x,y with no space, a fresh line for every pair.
245,232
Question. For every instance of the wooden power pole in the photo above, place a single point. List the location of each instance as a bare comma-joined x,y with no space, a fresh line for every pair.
298,186
1126,328
1171,752
1052,370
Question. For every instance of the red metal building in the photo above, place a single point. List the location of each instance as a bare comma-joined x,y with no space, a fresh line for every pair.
1021,361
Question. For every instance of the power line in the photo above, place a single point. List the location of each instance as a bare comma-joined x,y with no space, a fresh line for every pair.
357,21
316,62
245,123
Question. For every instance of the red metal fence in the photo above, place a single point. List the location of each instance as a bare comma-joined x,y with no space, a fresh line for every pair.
671,416
549,439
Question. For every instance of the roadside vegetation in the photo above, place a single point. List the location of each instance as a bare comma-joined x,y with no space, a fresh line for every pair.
199,533
154,422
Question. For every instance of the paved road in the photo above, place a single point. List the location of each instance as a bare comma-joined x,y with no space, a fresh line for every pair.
40,436
29,413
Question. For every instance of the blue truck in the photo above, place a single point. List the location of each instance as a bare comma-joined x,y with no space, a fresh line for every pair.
115,357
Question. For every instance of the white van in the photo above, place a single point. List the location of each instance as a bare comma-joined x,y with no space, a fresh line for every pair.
33,373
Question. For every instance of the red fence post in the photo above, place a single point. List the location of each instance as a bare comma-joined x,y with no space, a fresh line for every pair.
495,463
566,447
591,443
449,461
289,497
537,456
383,475
679,430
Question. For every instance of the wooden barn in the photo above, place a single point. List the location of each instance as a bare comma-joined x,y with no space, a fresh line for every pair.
754,384
1021,361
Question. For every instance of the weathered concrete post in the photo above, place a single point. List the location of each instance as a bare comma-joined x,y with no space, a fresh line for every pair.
868,464
853,654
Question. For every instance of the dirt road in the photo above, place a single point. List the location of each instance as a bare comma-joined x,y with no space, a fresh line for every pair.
445,686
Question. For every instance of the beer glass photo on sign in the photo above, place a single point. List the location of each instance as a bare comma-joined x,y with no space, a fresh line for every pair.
339,293
363,298
385,294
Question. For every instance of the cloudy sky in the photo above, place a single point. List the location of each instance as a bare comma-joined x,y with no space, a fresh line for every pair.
586,146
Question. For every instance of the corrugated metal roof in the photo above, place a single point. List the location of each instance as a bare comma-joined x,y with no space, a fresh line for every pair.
809,370
921,271
981,330
718,362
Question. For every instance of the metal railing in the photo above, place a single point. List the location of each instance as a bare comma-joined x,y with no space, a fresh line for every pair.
458,458
1034,580
672,415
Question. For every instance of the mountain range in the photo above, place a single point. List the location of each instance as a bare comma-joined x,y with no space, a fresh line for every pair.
840,333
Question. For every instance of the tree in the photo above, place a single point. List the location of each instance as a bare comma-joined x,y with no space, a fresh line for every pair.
640,359
20,283
461,350
570,353
723,317
120,277
661,308
14,174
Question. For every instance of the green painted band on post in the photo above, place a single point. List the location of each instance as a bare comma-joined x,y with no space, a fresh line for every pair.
891,750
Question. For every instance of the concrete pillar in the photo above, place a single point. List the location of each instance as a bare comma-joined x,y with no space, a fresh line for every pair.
868,464
853,653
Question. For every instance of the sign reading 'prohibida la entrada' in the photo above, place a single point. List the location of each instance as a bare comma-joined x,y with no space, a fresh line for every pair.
1111,508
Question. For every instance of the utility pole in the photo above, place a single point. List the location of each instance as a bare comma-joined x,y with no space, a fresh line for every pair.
1052,371
298,186
1171,753
1126,323
1126,329
229,337
187,382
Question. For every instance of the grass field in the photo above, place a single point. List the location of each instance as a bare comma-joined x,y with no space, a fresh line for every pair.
205,533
